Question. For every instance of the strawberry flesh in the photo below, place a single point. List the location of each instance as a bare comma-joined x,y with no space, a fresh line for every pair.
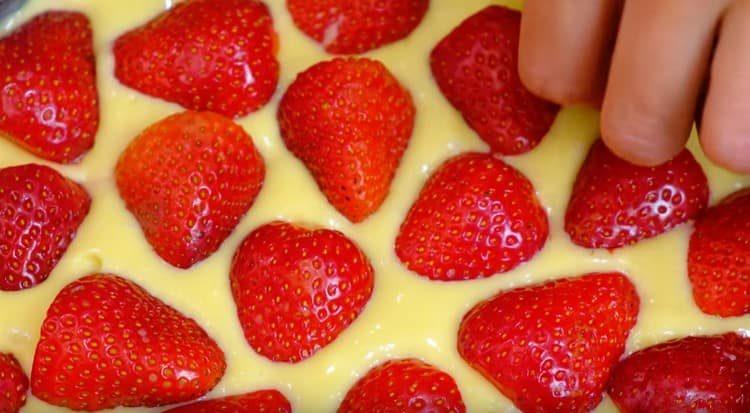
356,26
688,375
551,347
475,67
615,203
719,257
13,384
106,342
262,401
404,386
40,212
475,217
349,121
206,55
189,179
296,289
49,103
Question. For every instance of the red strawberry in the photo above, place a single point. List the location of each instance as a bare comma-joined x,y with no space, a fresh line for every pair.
188,179
693,374
216,55
475,217
615,203
719,257
263,401
48,99
357,26
40,212
475,67
551,347
297,289
106,343
13,384
349,121
404,386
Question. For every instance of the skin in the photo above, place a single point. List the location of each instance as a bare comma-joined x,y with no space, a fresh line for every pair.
653,66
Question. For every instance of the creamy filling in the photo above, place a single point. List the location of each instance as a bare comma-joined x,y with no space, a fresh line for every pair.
407,316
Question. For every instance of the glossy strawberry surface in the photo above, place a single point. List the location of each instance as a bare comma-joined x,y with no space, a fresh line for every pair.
106,343
349,121
615,203
206,55
49,102
13,384
688,375
262,401
188,180
551,347
719,257
40,212
476,216
476,68
297,289
356,26
404,386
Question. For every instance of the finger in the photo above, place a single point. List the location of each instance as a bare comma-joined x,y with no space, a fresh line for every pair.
660,61
565,48
725,130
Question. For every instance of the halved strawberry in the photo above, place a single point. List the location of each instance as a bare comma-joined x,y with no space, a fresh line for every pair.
296,289
356,26
475,217
13,384
188,179
551,347
40,212
688,375
615,203
404,386
215,55
475,67
106,342
49,102
349,121
262,401
719,257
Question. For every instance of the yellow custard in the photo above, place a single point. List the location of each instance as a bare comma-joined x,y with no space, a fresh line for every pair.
407,316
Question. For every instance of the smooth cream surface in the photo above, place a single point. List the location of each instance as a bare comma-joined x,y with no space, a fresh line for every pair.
407,316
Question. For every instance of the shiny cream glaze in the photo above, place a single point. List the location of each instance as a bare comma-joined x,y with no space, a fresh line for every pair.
407,316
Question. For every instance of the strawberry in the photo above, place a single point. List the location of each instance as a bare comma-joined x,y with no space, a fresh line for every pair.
693,374
719,257
296,289
551,347
262,401
476,216
49,101
615,203
188,180
106,342
40,212
404,386
357,26
475,67
13,384
349,121
206,55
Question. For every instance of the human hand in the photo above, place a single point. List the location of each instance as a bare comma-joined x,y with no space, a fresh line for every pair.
650,76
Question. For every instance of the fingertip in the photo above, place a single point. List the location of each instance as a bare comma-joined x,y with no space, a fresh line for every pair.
565,47
643,142
725,128
545,84
534,63
728,149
